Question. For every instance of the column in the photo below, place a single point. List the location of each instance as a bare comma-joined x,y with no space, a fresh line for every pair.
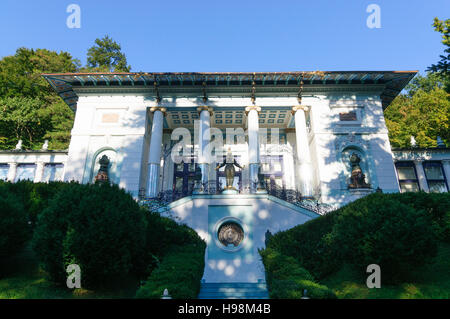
446,167
253,144
421,175
12,172
305,169
39,172
154,158
204,137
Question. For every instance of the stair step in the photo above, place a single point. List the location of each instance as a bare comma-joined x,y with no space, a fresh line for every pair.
234,290
234,285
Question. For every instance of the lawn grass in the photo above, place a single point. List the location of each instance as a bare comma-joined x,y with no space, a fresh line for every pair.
21,278
431,281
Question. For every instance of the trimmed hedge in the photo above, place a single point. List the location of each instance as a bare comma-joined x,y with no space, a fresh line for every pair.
396,231
382,230
307,243
437,205
34,197
14,228
286,278
180,272
163,233
99,227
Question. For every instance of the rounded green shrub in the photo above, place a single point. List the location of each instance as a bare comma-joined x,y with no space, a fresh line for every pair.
180,273
381,230
307,243
164,232
34,196
287,279
99,227
14,228
437,205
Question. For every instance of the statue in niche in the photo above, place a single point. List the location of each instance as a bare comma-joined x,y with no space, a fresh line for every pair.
102,175
230,172
357,179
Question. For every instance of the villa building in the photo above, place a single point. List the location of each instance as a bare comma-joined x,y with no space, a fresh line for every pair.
299,143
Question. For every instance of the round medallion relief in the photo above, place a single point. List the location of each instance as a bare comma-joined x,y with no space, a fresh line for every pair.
230,233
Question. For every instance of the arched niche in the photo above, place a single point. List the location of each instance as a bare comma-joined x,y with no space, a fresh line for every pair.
113,165
346,153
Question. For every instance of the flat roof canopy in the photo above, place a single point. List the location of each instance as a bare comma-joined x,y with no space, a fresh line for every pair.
203,83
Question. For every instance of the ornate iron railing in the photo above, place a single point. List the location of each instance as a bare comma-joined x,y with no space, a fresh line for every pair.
289,195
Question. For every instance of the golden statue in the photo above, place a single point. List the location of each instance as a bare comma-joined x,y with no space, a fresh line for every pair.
230,172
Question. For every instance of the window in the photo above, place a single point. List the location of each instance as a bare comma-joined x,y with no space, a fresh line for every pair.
4,168
435,177
25,172
272,169
53,172
184,178
407,177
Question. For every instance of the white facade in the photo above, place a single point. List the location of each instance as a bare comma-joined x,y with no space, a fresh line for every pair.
298,130
122,125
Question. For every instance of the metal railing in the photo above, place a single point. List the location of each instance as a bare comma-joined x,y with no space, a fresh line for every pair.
210,188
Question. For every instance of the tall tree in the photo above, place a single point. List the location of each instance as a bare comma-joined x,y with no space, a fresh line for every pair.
22,118
106,56
423,112
442,66
29,108
20,74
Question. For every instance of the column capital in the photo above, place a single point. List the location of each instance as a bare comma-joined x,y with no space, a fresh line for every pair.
418,160
295,108
252,107
158,108
205,108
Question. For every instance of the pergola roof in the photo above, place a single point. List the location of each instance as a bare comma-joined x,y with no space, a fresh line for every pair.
66,84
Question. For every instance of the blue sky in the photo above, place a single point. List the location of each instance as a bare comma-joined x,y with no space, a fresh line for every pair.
245,35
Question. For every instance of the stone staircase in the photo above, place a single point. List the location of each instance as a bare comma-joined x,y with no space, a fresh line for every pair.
233,290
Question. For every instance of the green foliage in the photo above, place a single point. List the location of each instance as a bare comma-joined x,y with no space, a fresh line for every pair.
425,115
14,227
180,273
437,205
20,74
427,83
182,254
163,233
432,281
308,244
99,227
29,108
396,231
287,279
380,230
424,112
443,27
106,56
35,197
23,118
61,123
